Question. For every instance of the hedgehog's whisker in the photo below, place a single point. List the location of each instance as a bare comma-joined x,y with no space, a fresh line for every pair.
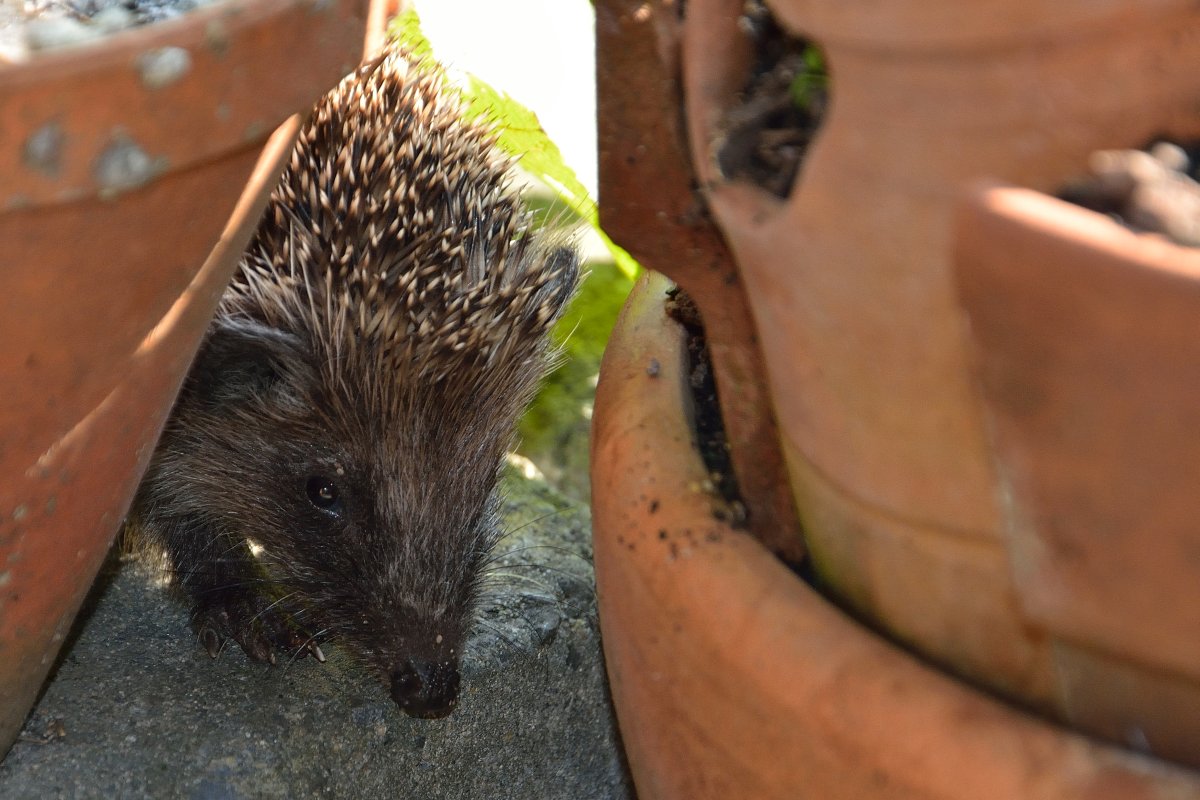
534,521
495,631
273,605
551,593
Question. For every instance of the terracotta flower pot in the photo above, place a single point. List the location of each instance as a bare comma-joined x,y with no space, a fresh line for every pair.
119,181
650,206
1089,363
850,277
732,678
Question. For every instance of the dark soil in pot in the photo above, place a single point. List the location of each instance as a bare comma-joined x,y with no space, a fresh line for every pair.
707,425
765,137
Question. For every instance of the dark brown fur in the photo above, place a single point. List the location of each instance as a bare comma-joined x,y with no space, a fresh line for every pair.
387,326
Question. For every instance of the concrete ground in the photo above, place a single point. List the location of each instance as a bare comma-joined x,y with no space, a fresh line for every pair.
138,709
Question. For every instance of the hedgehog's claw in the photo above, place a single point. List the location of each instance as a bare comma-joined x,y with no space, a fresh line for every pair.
211,640
246,618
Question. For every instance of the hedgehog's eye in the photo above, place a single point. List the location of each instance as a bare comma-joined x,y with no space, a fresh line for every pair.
323,493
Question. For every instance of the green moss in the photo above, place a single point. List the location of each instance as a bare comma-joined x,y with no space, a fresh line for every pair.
555,431
811,85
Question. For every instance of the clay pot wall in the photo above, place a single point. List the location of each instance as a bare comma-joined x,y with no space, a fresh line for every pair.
1059,579
125,202
851,281
733,678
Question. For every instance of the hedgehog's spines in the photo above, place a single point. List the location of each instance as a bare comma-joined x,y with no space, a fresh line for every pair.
395,240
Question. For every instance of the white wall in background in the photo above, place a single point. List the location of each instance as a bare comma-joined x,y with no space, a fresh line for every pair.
538,51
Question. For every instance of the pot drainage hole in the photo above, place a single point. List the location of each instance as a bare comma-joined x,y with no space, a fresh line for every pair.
764,138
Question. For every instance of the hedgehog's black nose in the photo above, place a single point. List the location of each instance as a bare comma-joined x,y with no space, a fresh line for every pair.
426,690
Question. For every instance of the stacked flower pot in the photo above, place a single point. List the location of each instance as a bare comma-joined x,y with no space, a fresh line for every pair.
133,169
977,397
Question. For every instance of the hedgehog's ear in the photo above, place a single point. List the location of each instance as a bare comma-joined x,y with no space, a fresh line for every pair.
563,263
241,359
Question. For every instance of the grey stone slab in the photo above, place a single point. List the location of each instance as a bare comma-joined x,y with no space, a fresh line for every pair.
137,709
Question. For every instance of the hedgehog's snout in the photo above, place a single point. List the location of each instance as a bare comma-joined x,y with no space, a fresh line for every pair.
425,689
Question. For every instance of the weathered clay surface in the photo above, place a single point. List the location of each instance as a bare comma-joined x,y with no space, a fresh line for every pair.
82,417
850,278
116,199
732,678
1088,359
650,207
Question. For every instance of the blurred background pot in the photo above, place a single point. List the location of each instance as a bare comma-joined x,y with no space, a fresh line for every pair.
1090,364
850,278
134,170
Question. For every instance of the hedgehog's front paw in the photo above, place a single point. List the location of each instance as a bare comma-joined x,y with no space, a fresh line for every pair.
258,625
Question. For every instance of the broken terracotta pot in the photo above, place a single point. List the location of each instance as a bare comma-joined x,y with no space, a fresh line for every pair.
651,207
732,678
1090,366
119,181
850,277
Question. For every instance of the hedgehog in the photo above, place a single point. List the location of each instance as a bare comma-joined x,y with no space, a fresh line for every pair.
329,470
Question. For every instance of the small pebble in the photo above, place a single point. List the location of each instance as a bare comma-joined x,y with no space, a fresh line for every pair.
1171,156
1116,172
1149,191
1170,206
49,33
113,19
